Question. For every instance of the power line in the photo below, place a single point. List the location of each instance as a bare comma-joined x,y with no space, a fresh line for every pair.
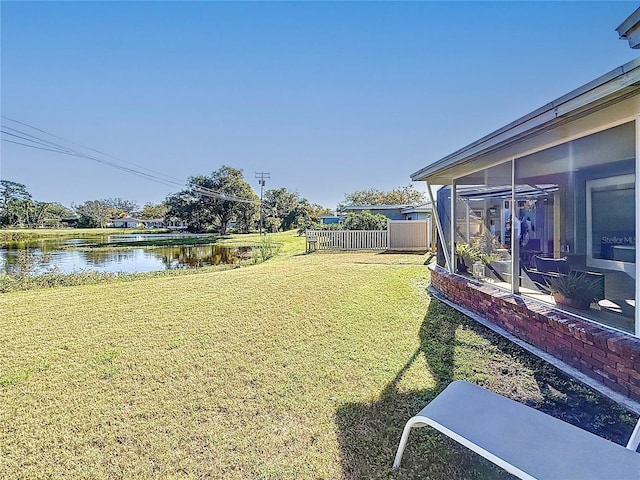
32,146
26,135
63,150
40,143
80,145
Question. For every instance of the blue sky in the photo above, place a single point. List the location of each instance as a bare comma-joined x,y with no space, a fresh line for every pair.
329,97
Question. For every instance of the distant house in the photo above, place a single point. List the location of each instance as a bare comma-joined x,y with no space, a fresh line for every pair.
154,223
392,212
131,222
70,221
173,224
329,219
419,212
127,222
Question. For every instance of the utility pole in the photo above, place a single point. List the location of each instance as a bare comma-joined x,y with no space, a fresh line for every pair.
261,176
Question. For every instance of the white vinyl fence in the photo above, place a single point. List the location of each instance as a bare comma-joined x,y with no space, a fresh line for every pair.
346,240
403,235
409,235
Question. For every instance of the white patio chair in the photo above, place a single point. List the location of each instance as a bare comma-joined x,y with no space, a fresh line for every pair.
523,441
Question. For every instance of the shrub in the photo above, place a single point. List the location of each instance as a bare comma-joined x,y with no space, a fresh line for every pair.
265,250
365,220
319,226
25,265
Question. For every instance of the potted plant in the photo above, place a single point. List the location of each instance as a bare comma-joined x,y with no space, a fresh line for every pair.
575,290
466,254
478,254
487,246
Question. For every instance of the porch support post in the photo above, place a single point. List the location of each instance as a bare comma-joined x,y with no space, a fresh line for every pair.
515,236
468,232
453,226
557,225
434,213
637,312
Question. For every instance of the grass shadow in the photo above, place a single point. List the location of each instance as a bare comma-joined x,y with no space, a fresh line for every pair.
455,347
368,434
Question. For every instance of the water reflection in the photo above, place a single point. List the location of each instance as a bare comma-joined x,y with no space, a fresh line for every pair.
202,255
49,256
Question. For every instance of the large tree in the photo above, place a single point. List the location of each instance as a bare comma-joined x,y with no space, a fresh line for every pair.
17,208
12,191
212,201
284,210
280,209
124,208
13,196
247,215
95,213
151,210
309,217
399,196
311,211
57,214
23,213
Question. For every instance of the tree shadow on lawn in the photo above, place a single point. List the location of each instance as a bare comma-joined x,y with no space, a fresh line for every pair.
369,433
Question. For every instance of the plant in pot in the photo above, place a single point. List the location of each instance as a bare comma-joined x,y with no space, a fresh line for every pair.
466,255
575,290
488,247
479,253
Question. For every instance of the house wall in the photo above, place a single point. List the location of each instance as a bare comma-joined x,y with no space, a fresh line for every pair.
416,216
606,355
123,224
391,214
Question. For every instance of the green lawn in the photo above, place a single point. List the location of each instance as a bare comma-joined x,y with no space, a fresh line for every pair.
305,366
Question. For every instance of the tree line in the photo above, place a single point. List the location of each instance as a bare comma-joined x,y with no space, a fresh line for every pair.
209,203
19,209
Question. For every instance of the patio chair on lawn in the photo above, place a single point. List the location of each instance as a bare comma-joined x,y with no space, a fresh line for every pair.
523,441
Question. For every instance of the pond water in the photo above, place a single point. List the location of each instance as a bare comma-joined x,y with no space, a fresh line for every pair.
51,254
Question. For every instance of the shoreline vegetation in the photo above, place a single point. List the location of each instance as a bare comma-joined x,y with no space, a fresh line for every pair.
260,249
305,366
157,242
7,235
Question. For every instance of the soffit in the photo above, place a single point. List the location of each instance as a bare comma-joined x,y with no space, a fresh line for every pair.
610,89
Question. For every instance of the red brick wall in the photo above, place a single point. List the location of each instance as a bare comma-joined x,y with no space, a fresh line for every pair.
608,356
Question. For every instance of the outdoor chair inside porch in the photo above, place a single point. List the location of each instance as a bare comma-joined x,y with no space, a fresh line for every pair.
523,441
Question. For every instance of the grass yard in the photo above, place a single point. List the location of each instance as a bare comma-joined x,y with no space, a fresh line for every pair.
302,367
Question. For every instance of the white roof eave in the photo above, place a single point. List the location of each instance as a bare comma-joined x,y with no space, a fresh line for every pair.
618,83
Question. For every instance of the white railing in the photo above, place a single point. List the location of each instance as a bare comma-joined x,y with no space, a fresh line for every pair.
347,240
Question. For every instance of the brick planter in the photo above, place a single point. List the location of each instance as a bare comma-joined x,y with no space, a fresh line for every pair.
608,356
